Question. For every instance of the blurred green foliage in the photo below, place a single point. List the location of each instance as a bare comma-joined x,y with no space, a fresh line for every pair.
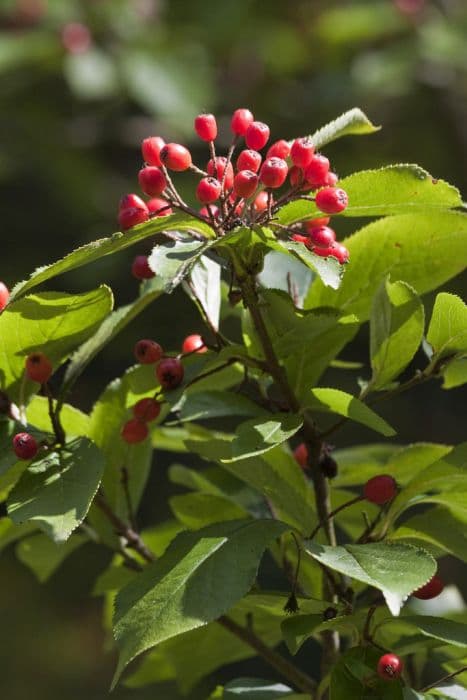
83,81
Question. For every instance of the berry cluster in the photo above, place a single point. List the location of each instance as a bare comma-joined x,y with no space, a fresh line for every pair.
239,189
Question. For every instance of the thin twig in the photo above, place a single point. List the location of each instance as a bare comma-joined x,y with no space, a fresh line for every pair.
54,416
132,537
334,512
444,678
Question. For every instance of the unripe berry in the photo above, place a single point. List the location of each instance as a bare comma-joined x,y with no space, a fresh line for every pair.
245,183
127,218
152,180
273,172
316,172
431,589
170,373
249,160
331,200
175,157
315,223
206,127
302,151
147,352
241,120
261,201
279,149
134,431
257,135
25,446
159,207
390,667
4,295
208,190
380,489
132,201
146,410
38,367
194,343
322,236
151,149
217,170
340,252
140,268
331,179
301,455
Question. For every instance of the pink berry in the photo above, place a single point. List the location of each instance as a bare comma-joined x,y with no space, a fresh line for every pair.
76,37
322,236
301,455
134,431
151,149
317,170
261,201
127,218
340,252
257,135
380,489
245,183
331,200
279,149
302,151
217,170
194,343
249,160
390,667
38,367
273,172
147,352
206,127
132,201
431,589
140,268
208,190
170,373
25,446
241,120
152,180
315,223
299,238
4,295
175,157
159,207
146,410
331,179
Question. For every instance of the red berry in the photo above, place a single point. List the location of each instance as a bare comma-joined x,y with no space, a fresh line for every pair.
249,160
132,201
175,157
331,200
213,209
340,252
380,489
146,410
390,667
127,218
302,151
76,37
208,190
257,135
273,172
315,223
151,148
194,343
299,238
217,170
159,207
317,170
25,446
261,201
295,176
134,431
322,236
279,149
331,179
206,127
245,183
431,589
170,372
4,295
152,180
140,268
323,252
241,120
301,455
147,352
38,367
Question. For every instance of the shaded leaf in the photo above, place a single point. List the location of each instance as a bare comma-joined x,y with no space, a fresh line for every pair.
43,556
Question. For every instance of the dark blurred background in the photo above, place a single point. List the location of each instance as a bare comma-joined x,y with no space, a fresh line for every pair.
82,82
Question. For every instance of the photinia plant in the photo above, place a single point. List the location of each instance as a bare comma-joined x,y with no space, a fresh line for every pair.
280,298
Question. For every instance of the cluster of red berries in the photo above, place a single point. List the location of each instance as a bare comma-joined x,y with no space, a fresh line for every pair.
241,191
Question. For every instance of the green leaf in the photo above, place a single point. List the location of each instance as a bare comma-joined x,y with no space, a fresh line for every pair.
258,435
395,569
455,373
9,532
52,322
336,401
354,676
396,331
113,244
74,421
358,464
170,596
43,556
298,628
56,491
447,631
352,123
173,260
423,250
255,689
202,405
437,527
447,333
196,510
285,272
204,287
328,269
